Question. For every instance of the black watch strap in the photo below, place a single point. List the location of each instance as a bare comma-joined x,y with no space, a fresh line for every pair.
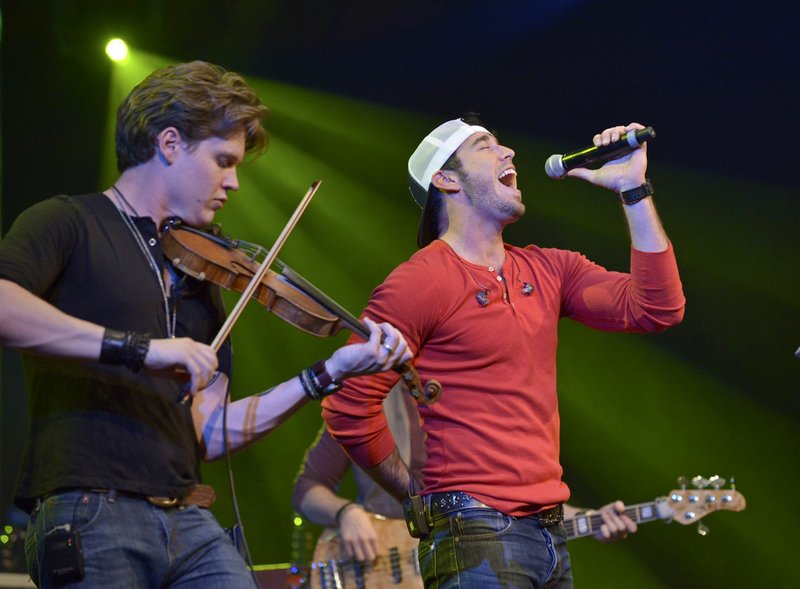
634,195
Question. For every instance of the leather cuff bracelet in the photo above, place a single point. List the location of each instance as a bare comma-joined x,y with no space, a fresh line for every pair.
324,380
629,197
317,383
126,348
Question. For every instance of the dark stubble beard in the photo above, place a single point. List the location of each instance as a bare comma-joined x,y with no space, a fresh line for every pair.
482,194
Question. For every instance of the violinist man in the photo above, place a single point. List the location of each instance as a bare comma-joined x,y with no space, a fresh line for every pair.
481,316
110,473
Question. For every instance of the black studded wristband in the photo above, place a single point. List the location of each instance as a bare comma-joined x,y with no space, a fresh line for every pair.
135,351
126,348
111,351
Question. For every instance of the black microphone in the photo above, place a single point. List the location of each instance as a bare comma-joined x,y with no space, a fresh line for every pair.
558,165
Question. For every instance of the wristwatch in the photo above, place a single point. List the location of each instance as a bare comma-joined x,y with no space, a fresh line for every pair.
634,195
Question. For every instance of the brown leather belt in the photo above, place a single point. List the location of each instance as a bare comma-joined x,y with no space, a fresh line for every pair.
200,495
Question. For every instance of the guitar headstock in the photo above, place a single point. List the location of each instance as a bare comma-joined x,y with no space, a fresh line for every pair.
692,505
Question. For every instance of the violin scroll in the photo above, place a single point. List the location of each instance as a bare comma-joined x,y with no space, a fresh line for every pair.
426,395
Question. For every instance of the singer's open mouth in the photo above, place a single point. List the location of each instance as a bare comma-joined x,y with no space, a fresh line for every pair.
508,177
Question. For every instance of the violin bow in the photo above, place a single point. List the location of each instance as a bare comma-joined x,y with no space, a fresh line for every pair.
255,281
272,255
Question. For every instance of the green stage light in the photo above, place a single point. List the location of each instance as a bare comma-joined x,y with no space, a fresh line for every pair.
117,50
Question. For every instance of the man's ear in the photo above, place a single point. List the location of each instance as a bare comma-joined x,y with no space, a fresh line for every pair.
168,143
446,181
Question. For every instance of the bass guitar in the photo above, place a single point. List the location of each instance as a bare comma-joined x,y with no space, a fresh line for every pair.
397,567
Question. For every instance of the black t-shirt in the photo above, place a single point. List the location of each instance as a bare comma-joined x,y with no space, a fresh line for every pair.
93,425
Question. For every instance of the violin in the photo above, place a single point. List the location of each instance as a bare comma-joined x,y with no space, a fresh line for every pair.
232,263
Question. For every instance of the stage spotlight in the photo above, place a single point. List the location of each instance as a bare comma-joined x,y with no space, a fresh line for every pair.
117,50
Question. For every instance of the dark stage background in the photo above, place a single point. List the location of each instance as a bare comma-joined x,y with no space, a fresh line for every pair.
353,86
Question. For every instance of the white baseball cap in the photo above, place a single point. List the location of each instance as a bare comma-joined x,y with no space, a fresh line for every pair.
429,157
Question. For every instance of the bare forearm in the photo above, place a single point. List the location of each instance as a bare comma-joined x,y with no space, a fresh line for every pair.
30,324
393,475
253,417
647,232
320,505
248,419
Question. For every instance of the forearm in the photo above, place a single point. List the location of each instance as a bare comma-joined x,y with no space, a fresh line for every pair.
320,505
28,323
248,419
253,417
394,476
647,232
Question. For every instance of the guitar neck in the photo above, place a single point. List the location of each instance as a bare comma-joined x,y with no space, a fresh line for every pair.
588,524
685,506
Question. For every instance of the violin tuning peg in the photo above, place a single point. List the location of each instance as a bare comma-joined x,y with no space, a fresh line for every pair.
702,529
699,482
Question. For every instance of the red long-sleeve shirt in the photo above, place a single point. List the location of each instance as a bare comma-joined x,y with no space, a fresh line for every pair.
495,431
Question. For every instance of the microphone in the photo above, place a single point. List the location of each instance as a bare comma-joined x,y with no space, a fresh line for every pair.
558,165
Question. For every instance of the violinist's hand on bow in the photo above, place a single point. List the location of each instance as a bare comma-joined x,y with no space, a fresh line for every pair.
188,359
385,349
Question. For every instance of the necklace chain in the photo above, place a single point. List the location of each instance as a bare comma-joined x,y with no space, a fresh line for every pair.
169,317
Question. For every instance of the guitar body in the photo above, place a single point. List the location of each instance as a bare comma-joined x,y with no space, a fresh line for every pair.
395,568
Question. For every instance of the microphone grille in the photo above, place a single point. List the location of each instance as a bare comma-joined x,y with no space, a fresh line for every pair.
554,168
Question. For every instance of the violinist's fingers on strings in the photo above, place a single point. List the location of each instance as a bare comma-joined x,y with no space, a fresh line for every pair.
395,345
376,334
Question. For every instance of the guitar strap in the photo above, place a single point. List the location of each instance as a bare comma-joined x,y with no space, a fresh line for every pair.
414,510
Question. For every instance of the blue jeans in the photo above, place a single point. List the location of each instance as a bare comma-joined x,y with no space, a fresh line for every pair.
483,548
128,543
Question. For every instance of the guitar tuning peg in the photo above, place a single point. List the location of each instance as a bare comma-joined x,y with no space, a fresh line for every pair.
699,482
682,482
733,484
702,529
716,481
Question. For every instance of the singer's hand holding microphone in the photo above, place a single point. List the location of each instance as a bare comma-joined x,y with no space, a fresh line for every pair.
623,152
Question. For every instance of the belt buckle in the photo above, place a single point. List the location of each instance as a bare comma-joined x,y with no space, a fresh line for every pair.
163,502
551,517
